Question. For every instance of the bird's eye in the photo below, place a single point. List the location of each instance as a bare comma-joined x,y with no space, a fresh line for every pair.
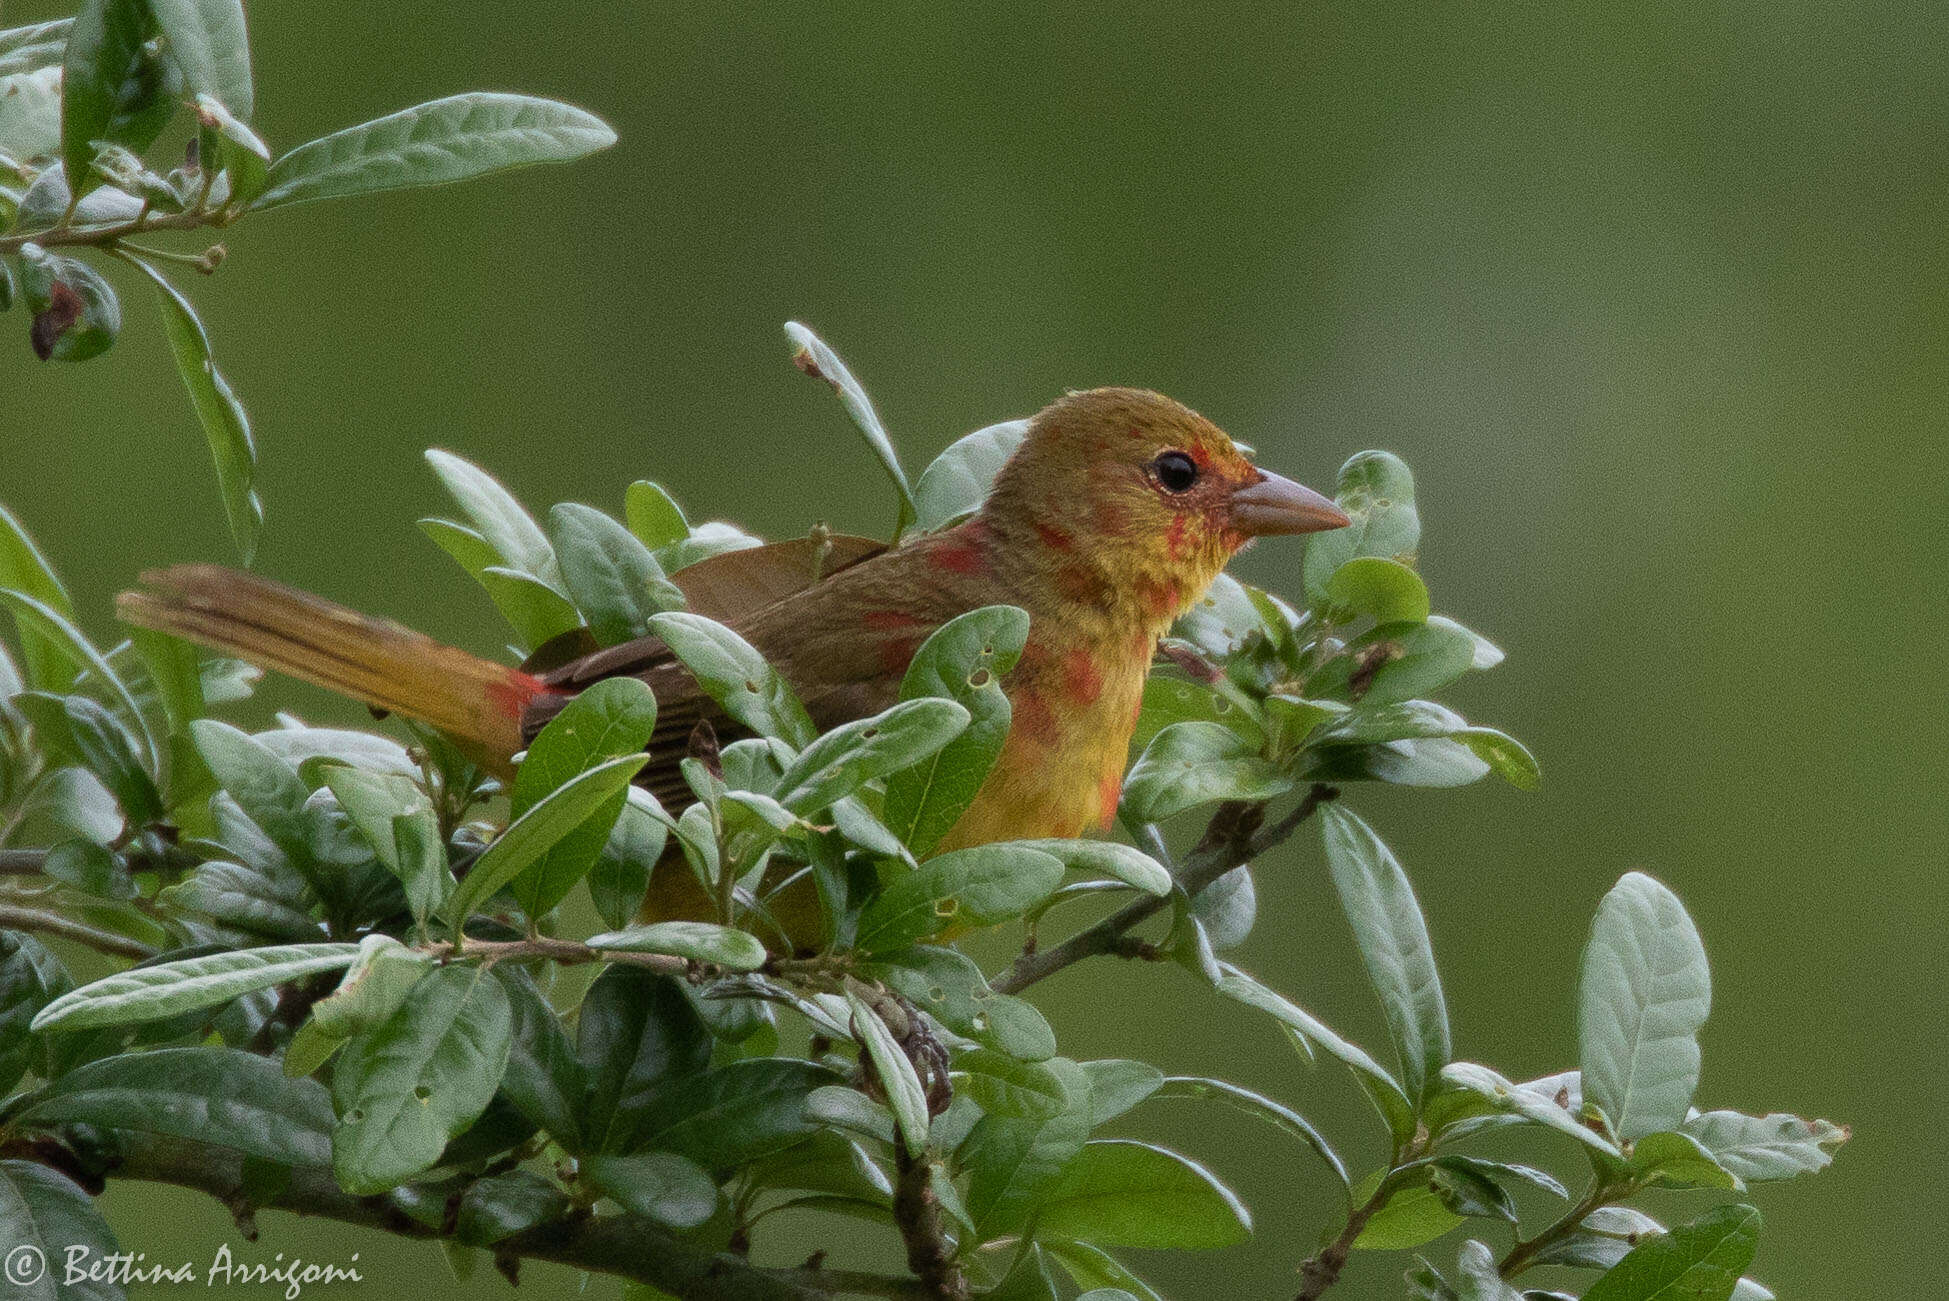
1174,472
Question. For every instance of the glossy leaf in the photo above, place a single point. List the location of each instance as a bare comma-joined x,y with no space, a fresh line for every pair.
1381,1087
1644,994
1004,1086
947,985
1376,490
957,481
812,356
545,1080
43,1215
24,569
503,1205
1108,858
614,580
906,1098
734,1113
1012,1160
114,86
395,817
736,677
699,941
653,515
1382,589
1758,1148
150,993
496,516
210,43
445,140
963,661
668,1188
965,887
1120,1193
1699,1261
1189,764
1675,1160
404,1090
635,1030
838,763
1277,1114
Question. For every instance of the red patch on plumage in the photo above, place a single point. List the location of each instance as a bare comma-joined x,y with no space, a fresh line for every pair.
964,554
1032,717
1107,795
1054,538
1110,517
1081,678
1176,537
512,695
1082,584
897,652
1160,598
889,620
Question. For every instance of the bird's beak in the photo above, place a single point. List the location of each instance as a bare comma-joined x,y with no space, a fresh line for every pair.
1278,505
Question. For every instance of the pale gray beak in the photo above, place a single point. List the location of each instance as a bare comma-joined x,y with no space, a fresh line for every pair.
1276,505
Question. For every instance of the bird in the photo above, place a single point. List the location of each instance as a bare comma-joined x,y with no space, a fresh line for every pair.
1116,512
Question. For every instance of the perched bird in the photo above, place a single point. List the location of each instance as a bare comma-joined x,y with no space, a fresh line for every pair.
1117,511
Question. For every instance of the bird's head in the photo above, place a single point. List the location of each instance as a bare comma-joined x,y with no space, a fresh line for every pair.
1144,494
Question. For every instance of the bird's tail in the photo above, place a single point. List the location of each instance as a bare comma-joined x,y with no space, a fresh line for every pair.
475,701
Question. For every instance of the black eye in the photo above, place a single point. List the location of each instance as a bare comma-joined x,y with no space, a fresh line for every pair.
1175,472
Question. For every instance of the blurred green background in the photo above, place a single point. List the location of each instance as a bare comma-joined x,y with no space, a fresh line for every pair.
1650,295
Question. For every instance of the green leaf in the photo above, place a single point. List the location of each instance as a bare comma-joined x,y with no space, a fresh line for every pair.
446,140
654,516
1104,1277
235,149
1377,493
957,481
614,580
1676,1160
1644,993
947,985
1412,1215
76,313
151,993
1699,1261
611,720
852,754
537,612
1189,764
812,356
408,1088
1116,1085
1012,1160
1393,941
496,516
30,128
906,1098
265,787
1386,591
114,87
544,1080
736,677
965,887
1120,1193
43,1216
1604,1237
620,879
668,1188
1480,1280
850,1110
395,817
545,824
176,670
734,1113
31,977
24,569
700,941
503,1205
210,43
1003,1086
68,640
380,979
225,426
76,729
962,661
1120,862
1381,1087
223,1096
1758,1148
1276,1114
1403,660
1502,1097
635,1030
254,902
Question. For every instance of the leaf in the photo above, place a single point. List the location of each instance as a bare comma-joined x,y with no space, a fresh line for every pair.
24,569
621,876
151,993
1412,1215
611,720
905,1096
1381,1087
1277,1114
1377,492
699,941
544,1079
395,817
1644,993
380,979
446,140
653,515
615,582
1393,941
113,87
496,516
734,1113
965,887
1405,660
266,788
1604,1237
1120,1193
957,481
1475,1270
254,902
1003,1086
635,1030
210,43
43,1216
1116,1085
1120,862
852,754
963,661
668,1188
1675,1160
850,1110
1012,1160
1757,1148
541,828
1699,1261
537,612
408,1088
76,729
948,986
812,356
1503,1097
736,677
223,1096
1384,590
58,632
228,144
30,128
503,1205
30,978
175,668
1189,764
1103,1277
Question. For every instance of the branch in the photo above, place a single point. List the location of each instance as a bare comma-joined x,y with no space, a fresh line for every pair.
14,918
110,234
631,1246
918,1213
1232,839
23,862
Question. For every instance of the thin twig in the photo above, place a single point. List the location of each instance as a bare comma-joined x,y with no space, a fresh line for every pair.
107,235
1232,839
14,918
